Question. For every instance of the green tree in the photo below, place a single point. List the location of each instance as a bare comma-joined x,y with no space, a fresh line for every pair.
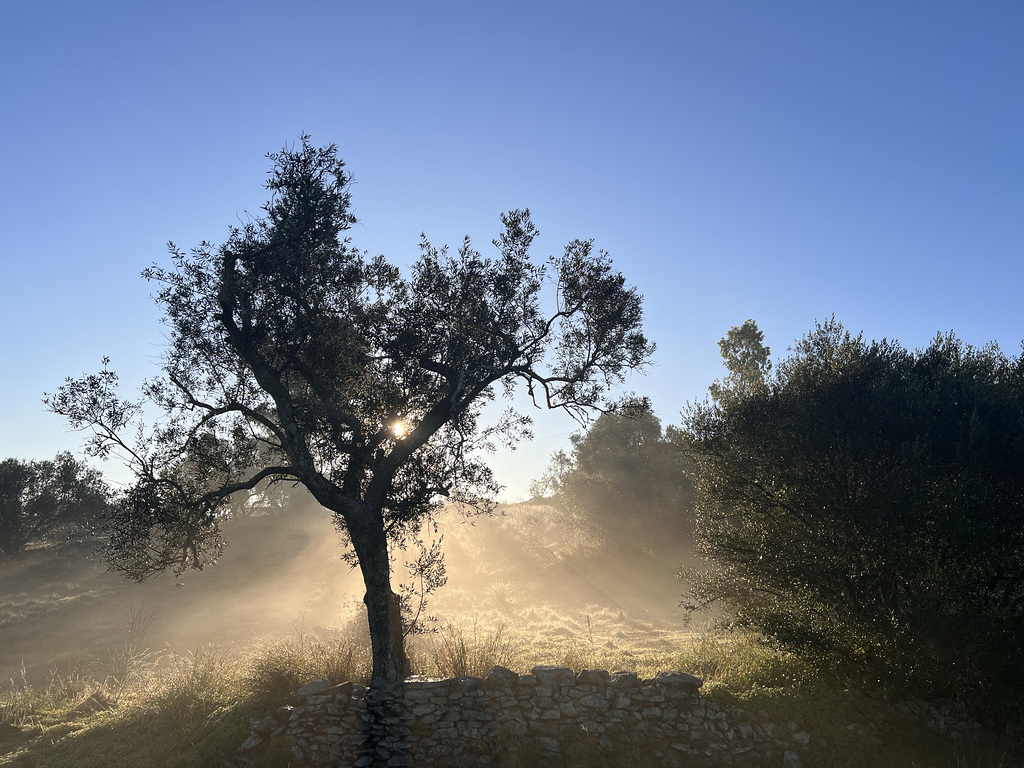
41,498
865,507
747,359
623,484
294,357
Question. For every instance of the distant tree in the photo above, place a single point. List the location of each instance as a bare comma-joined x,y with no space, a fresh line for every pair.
41,498
747,359
865,507
623,484
295,358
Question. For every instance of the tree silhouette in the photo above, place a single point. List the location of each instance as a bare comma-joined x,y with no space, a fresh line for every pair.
39,498
295,357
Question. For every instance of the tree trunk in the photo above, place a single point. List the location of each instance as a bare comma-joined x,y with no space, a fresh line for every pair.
383,609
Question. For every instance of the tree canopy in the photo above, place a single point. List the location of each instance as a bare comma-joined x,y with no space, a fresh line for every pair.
41,498
865,507
747,359
623,485
295,357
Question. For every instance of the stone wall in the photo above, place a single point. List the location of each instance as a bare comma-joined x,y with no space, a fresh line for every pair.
549,717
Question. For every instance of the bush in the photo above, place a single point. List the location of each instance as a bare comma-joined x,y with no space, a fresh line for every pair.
864,508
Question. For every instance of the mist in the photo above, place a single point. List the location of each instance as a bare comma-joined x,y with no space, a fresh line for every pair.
525,569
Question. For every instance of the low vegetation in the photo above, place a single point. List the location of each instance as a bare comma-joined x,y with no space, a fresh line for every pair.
124,694
194,709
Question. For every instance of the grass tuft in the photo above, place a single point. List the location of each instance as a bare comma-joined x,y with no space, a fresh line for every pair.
452,652
275,670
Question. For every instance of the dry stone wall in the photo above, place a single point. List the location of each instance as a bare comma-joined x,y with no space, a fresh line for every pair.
550,717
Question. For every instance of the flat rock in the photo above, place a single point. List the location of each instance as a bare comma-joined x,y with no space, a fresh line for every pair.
502,675
553,675
672,678
592,677
624,680
313,687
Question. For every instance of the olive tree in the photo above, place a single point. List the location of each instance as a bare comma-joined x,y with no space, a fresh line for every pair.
864,506
40,498
294,357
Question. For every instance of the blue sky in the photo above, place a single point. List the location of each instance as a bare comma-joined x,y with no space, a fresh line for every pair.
781,161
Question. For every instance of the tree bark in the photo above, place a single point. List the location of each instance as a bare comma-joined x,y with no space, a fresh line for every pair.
383,609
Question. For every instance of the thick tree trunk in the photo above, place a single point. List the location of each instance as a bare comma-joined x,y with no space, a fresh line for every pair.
383,609
382,745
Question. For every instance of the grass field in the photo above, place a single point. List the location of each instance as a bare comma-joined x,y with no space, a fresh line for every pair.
97,672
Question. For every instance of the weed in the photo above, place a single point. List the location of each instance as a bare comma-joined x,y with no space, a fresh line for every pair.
128,662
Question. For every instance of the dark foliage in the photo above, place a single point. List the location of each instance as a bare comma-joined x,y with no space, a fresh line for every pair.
295,358
864,506
39,499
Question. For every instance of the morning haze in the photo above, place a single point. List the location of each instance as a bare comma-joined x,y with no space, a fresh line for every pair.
673,339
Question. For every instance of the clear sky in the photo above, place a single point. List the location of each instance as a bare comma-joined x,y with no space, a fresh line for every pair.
781,161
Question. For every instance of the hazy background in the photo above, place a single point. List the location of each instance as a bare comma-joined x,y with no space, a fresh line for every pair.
522,572
782,161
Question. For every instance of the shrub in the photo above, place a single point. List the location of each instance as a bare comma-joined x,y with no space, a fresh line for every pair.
864,508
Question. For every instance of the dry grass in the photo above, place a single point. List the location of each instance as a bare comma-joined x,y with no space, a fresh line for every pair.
194,709
116,704
275,670
187,710
454,652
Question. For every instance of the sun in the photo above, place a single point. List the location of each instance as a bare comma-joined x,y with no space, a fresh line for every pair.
399,428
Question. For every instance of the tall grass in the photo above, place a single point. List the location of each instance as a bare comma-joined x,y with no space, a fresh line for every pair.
739,661
453,652
277,669
129,661
188,710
